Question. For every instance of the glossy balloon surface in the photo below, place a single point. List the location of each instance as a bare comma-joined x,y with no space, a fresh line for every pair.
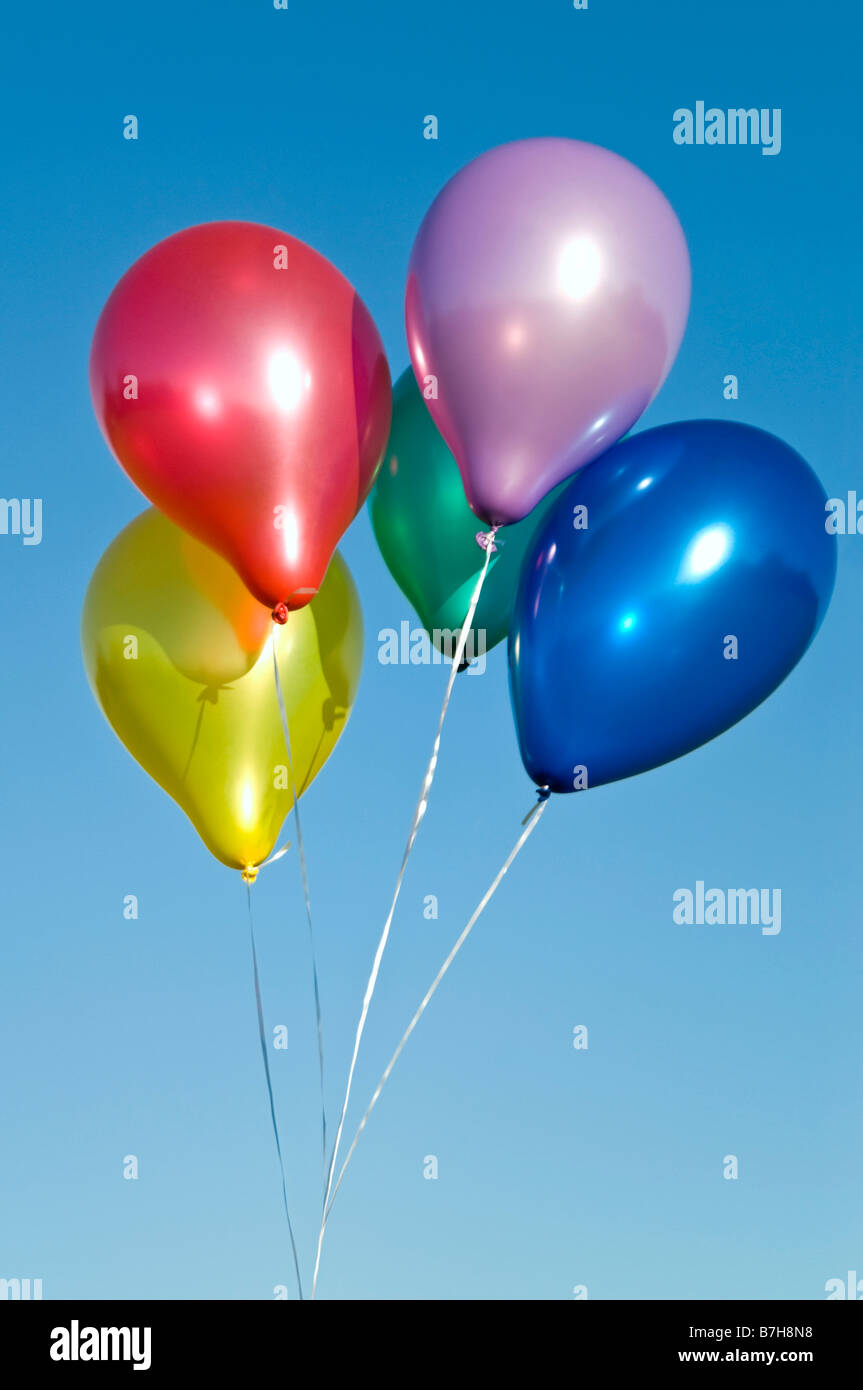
702,577
242,384
548,292
179,658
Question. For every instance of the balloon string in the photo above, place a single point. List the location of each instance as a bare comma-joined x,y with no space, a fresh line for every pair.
263,1038
421,807
530,821
305,877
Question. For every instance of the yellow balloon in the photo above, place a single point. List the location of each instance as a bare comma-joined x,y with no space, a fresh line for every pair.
179,658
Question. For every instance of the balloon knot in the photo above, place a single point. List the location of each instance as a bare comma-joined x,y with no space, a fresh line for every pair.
543,793
485,540
280,614
250,873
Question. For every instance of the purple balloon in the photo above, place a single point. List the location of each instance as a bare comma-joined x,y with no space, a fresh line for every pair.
547,293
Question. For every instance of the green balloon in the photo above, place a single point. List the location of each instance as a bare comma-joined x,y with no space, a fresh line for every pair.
426,531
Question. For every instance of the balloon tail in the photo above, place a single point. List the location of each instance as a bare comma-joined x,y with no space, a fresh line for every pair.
530,821
301,852
419,812
264,1054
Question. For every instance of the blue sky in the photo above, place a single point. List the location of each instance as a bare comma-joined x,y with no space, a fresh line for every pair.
557,1167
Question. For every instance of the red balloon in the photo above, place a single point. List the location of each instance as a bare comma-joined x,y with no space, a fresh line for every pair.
242,384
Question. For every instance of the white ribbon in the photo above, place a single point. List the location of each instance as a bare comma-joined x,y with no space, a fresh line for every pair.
421,807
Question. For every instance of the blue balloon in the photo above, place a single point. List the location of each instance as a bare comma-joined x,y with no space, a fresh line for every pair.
701,575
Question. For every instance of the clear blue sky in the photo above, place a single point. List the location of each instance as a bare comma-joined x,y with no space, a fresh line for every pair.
557,1167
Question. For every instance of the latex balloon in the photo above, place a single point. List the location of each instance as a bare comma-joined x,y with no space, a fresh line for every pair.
547,295
178,657
242,384
702,576
157,578
427,532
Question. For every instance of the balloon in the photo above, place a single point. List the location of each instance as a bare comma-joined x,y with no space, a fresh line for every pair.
241,383
427,532
702,576
177,658
547,295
